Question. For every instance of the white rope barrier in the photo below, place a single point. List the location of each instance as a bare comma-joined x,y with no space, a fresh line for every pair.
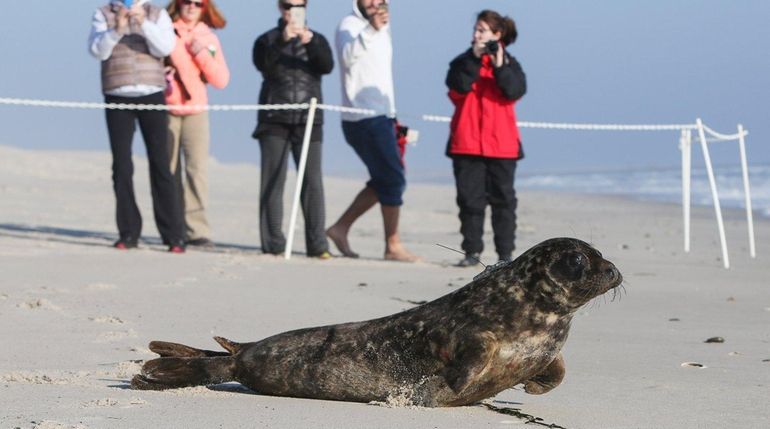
685,142
720,136
342,109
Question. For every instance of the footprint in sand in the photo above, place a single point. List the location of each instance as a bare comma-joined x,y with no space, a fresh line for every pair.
112,320
100,286
224,274
112,336
79,378
142,350
100,403
135,402
38,304
49,424
127,369
111,402
179,282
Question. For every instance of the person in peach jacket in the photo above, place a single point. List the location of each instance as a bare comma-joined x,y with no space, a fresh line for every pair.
197,60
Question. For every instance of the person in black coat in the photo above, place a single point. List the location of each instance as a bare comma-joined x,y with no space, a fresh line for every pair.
292,59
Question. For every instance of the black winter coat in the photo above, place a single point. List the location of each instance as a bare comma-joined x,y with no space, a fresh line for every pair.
292,74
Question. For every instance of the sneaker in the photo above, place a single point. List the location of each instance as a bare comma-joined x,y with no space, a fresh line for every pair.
470,260
125,244
324,256
201,242
176,248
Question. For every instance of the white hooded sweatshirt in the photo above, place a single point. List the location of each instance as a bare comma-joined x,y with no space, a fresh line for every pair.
366,66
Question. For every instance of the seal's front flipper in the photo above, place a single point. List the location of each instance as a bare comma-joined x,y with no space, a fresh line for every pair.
545,381
469,360
174,372
166,349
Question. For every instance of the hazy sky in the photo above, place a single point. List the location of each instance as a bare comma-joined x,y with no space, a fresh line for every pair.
604,61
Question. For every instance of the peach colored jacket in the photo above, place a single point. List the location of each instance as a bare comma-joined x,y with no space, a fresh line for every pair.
188,85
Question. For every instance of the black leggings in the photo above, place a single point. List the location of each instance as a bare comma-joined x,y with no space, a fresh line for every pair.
153,124
480,182
275,149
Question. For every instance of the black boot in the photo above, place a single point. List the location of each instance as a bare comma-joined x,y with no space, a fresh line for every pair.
470,260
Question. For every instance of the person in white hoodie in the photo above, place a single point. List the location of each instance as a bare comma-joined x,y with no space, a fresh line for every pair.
131,38
365,53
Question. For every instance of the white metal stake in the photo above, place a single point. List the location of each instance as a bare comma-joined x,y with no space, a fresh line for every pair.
300,176
747,190
685,143
714,194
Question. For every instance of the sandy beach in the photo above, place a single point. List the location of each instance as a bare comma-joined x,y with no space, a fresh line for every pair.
76,315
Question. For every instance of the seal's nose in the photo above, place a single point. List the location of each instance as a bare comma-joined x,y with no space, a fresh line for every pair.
611,273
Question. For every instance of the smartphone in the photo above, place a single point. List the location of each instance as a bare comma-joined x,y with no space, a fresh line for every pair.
128,3
383,7
297,17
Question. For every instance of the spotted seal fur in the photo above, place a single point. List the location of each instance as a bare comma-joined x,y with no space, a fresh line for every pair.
505,328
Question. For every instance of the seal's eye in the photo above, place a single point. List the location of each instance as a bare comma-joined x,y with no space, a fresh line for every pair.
574,264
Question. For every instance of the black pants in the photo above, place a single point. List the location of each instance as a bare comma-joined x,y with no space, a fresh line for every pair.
153,124
481,181
275,143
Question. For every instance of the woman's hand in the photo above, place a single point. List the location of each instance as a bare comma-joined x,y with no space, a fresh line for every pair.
137,14
305,36
499,56
195,47
121,23
289,32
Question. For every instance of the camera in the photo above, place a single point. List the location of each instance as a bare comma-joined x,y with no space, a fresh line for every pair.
492,46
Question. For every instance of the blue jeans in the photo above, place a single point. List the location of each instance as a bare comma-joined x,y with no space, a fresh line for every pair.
374,140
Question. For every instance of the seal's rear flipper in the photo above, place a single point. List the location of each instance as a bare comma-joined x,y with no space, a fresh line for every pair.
174,372
165,349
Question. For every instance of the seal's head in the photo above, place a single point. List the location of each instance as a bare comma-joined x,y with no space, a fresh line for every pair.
566,273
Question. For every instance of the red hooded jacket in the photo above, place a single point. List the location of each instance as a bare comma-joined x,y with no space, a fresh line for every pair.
484,122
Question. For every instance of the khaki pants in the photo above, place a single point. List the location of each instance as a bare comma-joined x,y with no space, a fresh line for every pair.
189,148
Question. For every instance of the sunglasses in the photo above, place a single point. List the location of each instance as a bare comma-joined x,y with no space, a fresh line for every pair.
193,3
289,6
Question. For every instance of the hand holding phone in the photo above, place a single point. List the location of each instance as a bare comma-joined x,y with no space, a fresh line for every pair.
297,18
382,17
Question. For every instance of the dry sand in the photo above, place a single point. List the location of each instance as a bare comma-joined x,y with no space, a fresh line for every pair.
76,315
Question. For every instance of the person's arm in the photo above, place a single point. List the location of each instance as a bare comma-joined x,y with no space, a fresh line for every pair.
463,71
212,63
511,79
159,35
352,40
102,39
266,55
319,55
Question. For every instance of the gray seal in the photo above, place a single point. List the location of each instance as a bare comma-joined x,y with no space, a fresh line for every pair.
503,329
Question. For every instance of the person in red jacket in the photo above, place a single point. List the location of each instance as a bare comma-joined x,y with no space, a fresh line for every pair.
484,84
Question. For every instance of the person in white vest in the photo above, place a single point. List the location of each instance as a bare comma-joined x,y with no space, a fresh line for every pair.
365,53
131,38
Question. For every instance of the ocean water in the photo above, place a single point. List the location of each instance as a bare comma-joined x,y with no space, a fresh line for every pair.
663,185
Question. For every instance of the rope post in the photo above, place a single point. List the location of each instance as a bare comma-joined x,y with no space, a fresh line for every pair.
746,189
714,195
300,176
685,145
